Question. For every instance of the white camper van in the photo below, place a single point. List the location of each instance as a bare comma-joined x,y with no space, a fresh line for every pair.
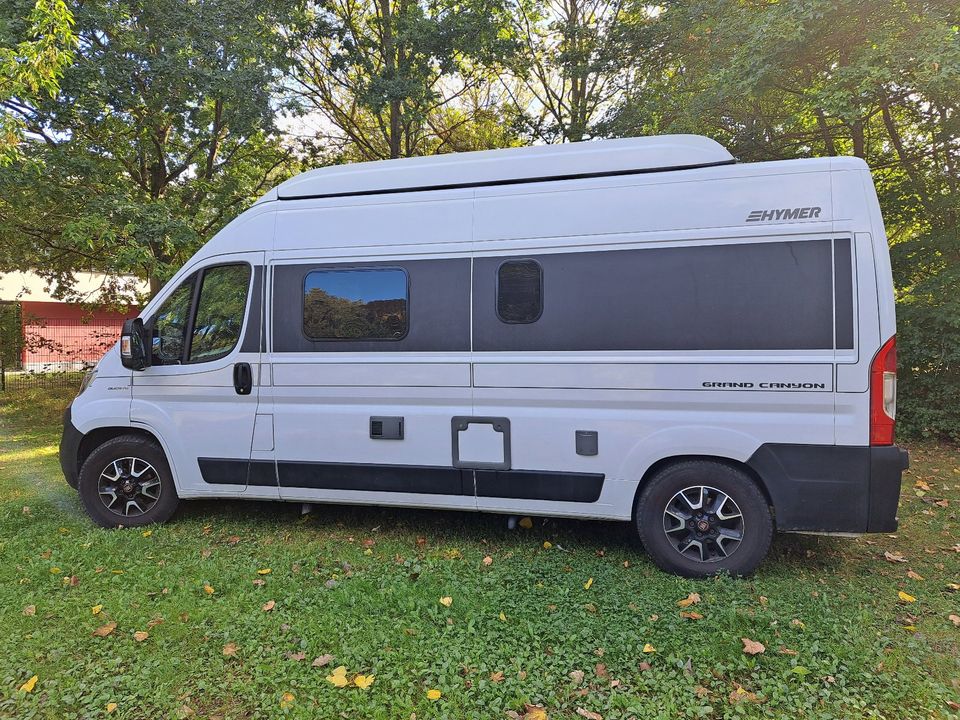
640,330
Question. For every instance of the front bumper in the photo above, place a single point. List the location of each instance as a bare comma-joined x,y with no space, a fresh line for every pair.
832,488
70,450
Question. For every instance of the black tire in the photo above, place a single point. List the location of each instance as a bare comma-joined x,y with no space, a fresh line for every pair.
142,472
704,543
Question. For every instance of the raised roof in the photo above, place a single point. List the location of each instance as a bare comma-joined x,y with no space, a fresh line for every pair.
508,166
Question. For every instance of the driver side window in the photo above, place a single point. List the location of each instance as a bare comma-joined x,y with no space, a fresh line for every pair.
202,318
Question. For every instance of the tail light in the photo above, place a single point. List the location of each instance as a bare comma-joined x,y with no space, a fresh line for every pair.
883,394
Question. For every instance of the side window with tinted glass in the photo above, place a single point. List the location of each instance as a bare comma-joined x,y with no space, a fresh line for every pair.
355,304
519,291
169,325
220,311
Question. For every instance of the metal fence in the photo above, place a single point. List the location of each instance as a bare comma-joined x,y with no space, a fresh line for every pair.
50,352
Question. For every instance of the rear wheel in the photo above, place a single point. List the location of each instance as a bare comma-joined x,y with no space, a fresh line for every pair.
127,482
699,517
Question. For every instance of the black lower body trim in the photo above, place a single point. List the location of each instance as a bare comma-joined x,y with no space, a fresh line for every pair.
424,480
831,488
70,450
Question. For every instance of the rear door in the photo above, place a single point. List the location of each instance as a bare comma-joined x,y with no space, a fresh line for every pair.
201,393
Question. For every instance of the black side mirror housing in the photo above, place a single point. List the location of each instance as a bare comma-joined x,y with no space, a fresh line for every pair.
133,352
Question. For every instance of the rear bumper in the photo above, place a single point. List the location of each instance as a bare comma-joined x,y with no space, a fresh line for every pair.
70,450
829,488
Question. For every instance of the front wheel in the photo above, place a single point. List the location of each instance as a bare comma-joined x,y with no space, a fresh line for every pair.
126,482
699,518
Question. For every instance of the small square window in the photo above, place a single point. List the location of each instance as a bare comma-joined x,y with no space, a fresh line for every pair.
519,291
355,304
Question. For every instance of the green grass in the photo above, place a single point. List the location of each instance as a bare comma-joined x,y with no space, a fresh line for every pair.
381,613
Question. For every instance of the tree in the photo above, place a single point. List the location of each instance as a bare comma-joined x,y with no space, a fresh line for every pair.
398,78
34,50
161,131
569,67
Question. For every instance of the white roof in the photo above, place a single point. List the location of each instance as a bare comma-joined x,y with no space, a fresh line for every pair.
488,167
88,287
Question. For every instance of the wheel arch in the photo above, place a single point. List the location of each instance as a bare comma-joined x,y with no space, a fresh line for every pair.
665,462
98,436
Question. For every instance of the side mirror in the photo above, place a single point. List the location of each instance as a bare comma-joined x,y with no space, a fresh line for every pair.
132,350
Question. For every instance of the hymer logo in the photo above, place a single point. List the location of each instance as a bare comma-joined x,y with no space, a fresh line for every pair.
805,213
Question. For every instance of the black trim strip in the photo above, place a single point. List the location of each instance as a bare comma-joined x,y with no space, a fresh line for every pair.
416,479
510,181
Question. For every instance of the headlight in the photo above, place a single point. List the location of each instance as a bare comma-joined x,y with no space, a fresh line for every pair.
88,378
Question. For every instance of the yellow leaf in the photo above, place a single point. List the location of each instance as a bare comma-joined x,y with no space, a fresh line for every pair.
264,571
208,589
96,609
111,706
502,616
363,681
28,685
588,584
691,599
368,551
340,670
535,712
105,630
905,597
338,678
648,648
287,699
446,601
54,571
433,694
526,523
140,635
147,533
547,544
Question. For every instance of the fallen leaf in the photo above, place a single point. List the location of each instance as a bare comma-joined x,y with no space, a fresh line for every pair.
644,666
30,610
147,533
691,599
233,540
264,571
259,582
297,656
230,648
535,712
488,561
547,544
286,700
648,648
953,587
156,621
763,600
338,678
526,523
322,660
105,630
787,651
588,714
496,676
914,576
503,618
906,597
576,676
689,615
701,692
433,694
446,601
140,635
738,694
29,684
111,706
363,681
54,571
955,619
600,670
894,557
268,605
942,503
953,705
797,623
752,647
588,584
208,589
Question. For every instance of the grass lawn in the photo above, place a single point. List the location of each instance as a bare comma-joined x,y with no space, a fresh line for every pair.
233,609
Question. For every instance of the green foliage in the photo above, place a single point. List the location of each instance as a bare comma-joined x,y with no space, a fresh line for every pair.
375,608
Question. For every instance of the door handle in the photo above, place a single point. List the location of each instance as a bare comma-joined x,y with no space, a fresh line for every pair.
242,378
